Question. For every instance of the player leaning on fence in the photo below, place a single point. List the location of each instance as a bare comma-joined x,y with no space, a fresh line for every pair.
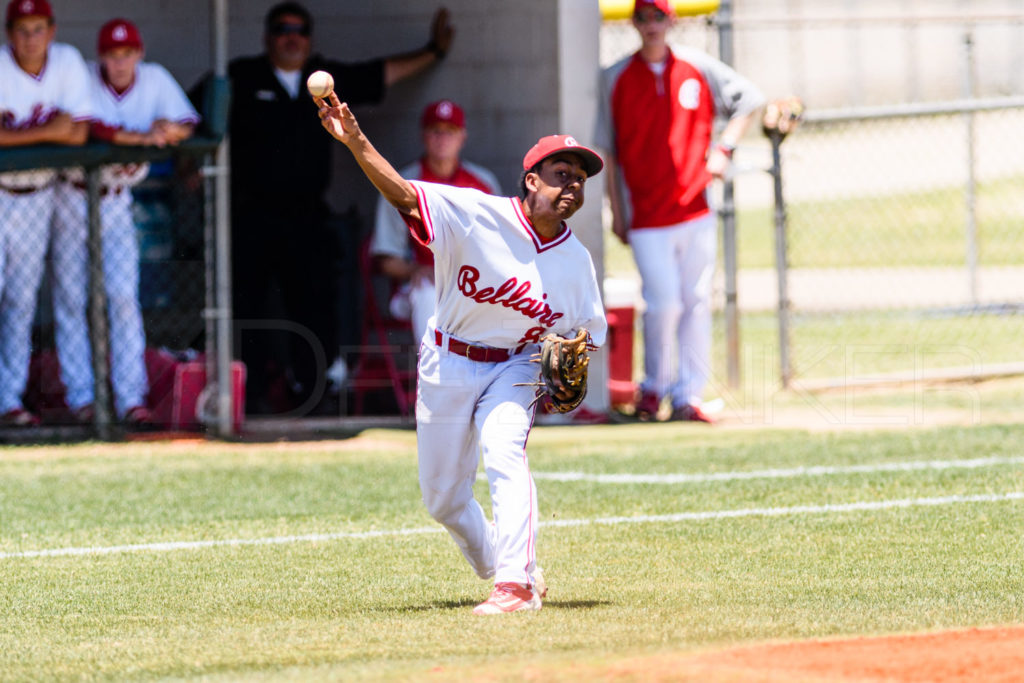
136,103
656,118
43,99
508,272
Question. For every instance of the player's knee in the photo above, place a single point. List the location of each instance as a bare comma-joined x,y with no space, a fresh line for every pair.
666,308
443,506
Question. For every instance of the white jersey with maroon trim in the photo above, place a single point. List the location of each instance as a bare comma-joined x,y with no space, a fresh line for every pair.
153,95
498,283
28,101
390,235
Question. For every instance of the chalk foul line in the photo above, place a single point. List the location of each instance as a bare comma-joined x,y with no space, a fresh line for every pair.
814,471
642,519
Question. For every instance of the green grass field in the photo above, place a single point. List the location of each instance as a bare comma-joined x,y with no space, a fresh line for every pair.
304,561
919,229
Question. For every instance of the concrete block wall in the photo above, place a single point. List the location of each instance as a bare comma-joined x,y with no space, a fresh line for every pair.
521,69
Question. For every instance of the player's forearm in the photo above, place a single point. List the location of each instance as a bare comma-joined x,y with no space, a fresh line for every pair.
173,132
79,133
611,170
15,138
736,128
127,137
401,67
398,191
53,132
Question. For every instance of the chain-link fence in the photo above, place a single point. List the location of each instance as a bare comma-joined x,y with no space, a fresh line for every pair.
903,248
909,257
105,280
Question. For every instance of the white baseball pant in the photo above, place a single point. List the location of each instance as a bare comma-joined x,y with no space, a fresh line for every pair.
464,410
24,234
71,296
676,266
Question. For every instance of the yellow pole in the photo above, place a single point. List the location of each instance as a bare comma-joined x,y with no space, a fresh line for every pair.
623,9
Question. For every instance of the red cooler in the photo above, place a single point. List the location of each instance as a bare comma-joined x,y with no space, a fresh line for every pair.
621,389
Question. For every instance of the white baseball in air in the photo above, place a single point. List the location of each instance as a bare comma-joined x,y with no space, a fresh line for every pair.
320,84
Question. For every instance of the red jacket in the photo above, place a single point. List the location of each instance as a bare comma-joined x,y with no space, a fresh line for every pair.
659,127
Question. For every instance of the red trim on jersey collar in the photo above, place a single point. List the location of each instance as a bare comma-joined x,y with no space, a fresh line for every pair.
113,91
10,51
110,86
540,242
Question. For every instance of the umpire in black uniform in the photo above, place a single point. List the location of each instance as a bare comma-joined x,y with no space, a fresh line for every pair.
283,245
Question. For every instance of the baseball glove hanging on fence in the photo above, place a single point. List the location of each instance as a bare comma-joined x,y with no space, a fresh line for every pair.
563,370
782,116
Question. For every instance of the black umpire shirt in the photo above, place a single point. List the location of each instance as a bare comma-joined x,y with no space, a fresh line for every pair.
279,151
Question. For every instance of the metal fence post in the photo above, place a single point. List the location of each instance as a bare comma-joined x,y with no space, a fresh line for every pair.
99,337
732,318
781,263
970,192
218,240
728,217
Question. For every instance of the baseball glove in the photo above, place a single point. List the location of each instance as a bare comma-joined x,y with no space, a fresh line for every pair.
563,370
782,116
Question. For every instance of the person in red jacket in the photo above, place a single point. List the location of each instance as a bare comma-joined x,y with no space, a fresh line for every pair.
656,122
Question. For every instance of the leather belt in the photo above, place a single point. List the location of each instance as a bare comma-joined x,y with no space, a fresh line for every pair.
20,190
480,354
104,191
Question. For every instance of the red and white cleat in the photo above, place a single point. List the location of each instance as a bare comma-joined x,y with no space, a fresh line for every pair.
647,407
691,413
509,597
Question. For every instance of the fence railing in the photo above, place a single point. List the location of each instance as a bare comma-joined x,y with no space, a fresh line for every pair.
177,278
910,257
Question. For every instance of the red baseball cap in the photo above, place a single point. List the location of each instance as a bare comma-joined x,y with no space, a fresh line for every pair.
443,111
17,9
662,5
118,33
553,144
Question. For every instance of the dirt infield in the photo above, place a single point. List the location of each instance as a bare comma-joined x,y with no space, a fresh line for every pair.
993,655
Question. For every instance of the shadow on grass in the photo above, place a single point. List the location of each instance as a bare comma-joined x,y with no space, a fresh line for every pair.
460,604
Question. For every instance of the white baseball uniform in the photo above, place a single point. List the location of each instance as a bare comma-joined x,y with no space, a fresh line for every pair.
415,301
500,288
153,95
27,201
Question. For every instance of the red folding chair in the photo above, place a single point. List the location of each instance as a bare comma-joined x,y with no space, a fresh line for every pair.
387,348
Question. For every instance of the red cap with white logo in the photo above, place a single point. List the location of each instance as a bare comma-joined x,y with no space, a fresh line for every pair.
118,33
444,111
553,144
661,5
18,9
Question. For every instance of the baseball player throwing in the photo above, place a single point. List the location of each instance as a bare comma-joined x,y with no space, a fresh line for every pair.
508,271
137,103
